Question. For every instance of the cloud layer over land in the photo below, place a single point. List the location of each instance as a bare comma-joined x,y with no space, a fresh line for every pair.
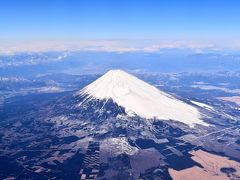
118,45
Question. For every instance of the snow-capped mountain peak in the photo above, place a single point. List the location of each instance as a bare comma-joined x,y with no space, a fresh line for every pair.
141,98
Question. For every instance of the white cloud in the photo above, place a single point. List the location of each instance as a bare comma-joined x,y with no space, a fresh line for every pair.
116,45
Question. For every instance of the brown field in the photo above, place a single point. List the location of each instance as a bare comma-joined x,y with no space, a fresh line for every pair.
212,165
234,99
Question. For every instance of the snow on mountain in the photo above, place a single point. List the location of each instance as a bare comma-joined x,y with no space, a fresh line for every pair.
141,98
202,105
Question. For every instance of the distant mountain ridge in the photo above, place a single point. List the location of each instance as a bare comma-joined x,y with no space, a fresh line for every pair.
84,62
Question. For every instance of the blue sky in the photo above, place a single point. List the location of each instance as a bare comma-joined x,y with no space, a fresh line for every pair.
45,20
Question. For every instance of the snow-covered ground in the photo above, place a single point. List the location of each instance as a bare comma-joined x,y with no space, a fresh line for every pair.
141,98
203,105
120,145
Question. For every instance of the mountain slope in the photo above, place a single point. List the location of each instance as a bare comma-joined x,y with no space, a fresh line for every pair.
138,97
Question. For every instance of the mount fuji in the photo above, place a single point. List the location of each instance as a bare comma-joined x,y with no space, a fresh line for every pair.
135,97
